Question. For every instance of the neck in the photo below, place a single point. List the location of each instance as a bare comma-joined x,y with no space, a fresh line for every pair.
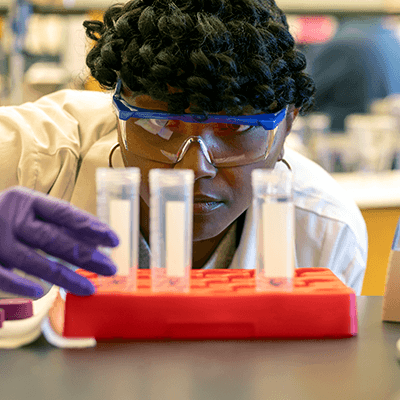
204,249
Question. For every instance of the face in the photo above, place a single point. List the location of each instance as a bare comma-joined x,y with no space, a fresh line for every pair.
221,195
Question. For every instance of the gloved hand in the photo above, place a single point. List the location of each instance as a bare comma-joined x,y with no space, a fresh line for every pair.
30,220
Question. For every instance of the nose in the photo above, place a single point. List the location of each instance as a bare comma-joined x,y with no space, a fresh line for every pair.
195,159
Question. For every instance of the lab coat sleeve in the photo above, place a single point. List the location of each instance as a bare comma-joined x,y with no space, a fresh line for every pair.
330,242
330,230
345,255
43,143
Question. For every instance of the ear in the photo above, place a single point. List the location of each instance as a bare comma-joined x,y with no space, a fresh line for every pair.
291,115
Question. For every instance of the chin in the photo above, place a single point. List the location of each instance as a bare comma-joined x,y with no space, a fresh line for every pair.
208,231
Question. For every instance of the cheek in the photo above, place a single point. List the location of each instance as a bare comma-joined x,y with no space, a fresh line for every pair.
145,186
239,181
145,166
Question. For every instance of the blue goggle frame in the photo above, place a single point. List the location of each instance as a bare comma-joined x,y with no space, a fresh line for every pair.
126,111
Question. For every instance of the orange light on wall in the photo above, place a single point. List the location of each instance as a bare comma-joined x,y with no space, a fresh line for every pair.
91,83
315,29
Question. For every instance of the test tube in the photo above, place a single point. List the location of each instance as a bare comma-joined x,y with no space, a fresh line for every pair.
118,206
274,216
171,226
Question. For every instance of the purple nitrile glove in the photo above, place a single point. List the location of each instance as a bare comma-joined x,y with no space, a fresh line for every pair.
30,220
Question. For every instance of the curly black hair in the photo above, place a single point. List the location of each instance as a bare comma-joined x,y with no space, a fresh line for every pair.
219,54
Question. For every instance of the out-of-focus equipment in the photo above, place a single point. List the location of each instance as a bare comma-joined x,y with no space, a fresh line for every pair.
21,11
391,300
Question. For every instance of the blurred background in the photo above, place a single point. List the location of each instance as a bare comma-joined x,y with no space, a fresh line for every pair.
353,53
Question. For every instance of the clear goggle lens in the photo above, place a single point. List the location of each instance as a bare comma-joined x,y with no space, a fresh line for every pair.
223,145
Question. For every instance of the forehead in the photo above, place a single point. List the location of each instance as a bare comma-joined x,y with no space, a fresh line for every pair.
146,101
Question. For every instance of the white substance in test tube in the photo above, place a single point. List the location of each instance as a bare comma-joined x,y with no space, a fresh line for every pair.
175,238
278,231
120,214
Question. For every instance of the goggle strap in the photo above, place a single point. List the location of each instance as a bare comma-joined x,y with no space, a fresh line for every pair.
126,111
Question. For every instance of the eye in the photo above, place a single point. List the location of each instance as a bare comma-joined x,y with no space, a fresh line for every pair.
153,126
159,122
161,127
228,129
242,128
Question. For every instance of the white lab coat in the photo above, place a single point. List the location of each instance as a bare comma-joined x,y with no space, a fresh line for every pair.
55,145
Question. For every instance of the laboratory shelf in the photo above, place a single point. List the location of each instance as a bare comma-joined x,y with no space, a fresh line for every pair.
372,190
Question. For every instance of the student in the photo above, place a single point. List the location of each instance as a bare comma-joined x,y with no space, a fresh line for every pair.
216,58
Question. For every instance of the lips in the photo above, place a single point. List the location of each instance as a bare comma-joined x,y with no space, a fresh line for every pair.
203,204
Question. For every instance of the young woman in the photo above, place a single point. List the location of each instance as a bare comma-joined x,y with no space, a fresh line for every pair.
211,64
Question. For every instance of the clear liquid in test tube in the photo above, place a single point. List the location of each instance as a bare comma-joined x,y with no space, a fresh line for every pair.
118,206
275,237
171,226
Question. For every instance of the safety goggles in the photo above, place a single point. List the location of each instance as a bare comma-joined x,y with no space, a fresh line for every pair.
228,141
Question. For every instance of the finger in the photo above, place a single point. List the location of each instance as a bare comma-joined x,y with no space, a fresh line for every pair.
12,283
29,261
55,242
91,240
87,226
